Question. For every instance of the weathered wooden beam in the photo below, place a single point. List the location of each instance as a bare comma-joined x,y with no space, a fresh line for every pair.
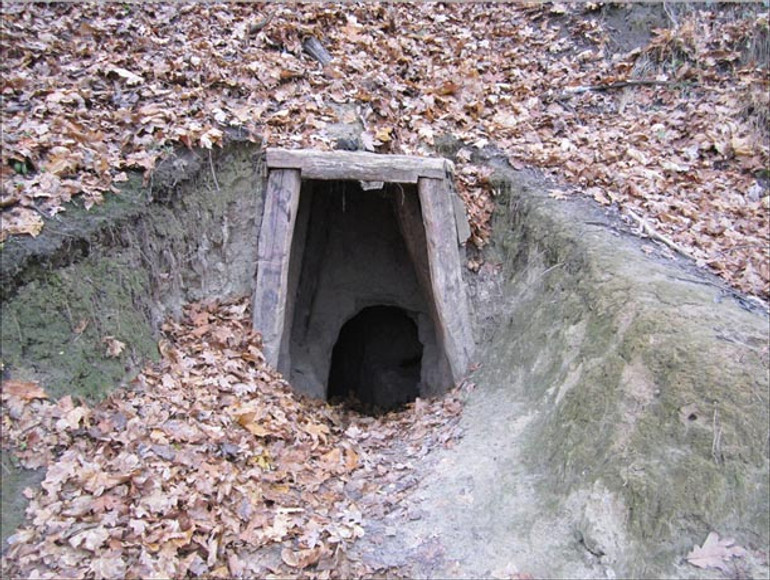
407,208
298,245
454,325
461,219
273,257
358,165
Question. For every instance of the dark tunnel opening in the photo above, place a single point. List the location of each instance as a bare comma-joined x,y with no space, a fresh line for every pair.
376,361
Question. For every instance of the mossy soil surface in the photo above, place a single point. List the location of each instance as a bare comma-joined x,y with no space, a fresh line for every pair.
15,480
66,295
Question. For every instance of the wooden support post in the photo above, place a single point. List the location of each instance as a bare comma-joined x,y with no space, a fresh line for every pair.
407,206
273,255
446,278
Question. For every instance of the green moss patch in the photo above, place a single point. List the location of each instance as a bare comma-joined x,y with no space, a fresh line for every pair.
58,330
650,382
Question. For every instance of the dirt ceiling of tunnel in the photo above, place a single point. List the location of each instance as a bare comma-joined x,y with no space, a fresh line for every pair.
674,132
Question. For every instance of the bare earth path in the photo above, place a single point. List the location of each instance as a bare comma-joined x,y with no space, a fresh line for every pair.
474,512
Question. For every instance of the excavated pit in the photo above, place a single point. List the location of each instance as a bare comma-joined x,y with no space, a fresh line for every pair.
621,408
362,327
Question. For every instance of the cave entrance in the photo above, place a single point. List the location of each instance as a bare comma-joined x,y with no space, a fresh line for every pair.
367,246
377,360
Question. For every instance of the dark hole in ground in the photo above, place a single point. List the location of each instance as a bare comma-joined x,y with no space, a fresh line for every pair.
376,361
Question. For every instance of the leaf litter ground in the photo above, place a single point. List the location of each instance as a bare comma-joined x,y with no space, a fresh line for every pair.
208,465
91,91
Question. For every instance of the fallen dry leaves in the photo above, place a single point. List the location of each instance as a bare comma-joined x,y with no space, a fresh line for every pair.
208,466
90,91
715,553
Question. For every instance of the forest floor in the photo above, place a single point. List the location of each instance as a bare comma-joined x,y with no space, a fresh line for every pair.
659,110
208,464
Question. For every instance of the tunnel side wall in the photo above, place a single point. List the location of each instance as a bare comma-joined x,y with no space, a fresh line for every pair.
119,270
645,385
123,267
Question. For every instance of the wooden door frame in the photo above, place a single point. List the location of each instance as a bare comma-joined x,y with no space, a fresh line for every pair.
287,169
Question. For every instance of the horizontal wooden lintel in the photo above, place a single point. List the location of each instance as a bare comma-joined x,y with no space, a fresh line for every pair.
358,165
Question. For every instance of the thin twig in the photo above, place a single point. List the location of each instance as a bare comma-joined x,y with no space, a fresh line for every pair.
544,272
670,15
403,195
617,85
213,173
649,231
